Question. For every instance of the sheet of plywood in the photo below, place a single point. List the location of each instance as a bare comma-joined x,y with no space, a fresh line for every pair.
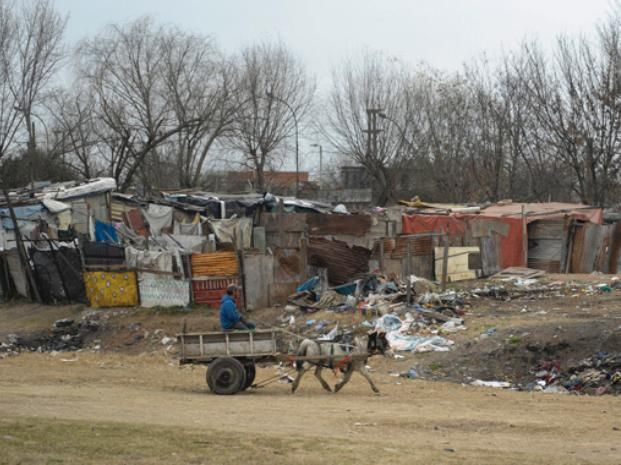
457,269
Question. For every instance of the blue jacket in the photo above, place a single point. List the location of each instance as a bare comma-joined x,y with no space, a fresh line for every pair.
228,312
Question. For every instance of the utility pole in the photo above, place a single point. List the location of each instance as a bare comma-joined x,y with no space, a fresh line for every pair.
320,163
372,131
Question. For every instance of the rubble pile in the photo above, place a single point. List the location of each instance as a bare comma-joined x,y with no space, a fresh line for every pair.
413,314
596,375
64,335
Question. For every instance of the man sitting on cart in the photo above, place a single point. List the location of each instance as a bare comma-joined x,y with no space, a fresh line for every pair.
230,318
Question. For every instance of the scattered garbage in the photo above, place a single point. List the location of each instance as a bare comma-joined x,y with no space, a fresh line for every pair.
597,375
492,384
64,335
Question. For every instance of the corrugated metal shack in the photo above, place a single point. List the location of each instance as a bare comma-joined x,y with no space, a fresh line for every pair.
87,243
555,237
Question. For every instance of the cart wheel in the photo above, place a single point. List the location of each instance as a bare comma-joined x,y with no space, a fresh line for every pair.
226,376
251,372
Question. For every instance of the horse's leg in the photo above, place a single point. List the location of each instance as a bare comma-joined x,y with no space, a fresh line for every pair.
364,372
297,380
325,385
346,378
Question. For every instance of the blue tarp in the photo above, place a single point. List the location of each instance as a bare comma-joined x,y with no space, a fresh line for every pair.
24,215
105,232
308,285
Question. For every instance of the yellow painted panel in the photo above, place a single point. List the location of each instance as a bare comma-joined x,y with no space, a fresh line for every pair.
457,269
111,289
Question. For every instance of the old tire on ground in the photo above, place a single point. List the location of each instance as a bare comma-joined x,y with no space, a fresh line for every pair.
226,376
251,372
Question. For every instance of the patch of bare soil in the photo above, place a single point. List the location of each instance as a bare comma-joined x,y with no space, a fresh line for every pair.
112,409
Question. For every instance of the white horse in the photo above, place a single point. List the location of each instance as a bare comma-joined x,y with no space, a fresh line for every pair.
363,347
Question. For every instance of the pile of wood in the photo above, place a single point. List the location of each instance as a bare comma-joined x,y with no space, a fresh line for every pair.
215,264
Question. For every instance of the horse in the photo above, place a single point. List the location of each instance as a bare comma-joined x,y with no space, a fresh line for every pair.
364,346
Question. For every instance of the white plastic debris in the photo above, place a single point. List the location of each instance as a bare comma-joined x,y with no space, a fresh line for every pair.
492,384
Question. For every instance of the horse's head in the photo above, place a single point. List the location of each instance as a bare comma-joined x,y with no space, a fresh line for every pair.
377,343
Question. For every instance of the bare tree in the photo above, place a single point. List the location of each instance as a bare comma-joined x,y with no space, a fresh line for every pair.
577,101
268,75
201,88
124,67
449,132
31,51
10,118
390,91
75,128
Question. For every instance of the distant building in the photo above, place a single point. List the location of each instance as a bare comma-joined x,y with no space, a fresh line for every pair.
276,182
355,177
354,191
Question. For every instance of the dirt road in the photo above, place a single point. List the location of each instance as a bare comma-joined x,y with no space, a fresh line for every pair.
113,409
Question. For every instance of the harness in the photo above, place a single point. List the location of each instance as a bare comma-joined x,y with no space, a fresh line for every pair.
331,364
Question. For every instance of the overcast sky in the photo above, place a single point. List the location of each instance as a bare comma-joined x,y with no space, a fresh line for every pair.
443,33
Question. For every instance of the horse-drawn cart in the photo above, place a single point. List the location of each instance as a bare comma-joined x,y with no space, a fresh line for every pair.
231,356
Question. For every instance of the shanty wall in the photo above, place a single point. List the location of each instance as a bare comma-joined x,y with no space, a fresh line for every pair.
503,237
259,279
595,248
556,245
97,205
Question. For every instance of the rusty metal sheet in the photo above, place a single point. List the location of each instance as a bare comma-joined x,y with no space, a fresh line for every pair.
591,248
419,246
342,261
550,266
547,245
389,245
291,222
288,265
615,249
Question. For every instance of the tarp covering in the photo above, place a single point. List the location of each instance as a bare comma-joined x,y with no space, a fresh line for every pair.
157,260
93,186
238,230
111,289
163,291
54,206
159,217
26,216
58,275
105,232
186,244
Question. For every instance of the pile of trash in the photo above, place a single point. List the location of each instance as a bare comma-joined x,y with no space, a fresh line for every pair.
596,375
417,334
65,334
10,346
375,295
414,316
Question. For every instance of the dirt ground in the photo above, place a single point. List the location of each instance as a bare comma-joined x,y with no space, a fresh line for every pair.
113,409
124,399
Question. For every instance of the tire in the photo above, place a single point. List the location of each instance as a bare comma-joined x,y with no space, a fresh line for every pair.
226,376
251,372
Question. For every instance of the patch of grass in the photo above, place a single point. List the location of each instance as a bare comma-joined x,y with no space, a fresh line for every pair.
47,441
514,340
435,366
